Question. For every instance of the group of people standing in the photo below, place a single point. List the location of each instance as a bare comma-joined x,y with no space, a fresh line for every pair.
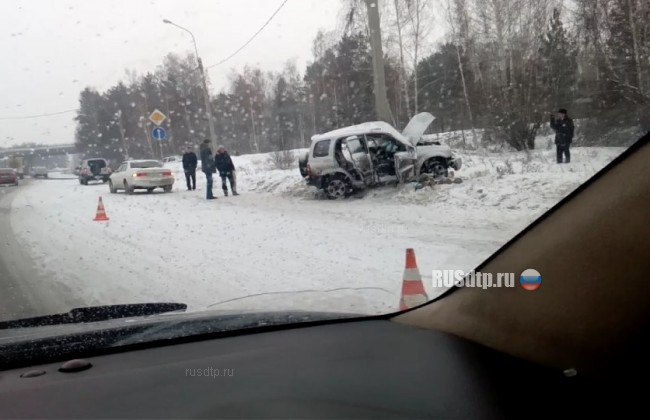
220,162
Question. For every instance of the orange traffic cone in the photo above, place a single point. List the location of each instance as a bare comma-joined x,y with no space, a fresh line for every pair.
413,293
101,213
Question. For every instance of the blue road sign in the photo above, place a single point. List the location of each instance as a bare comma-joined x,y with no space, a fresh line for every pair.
158,133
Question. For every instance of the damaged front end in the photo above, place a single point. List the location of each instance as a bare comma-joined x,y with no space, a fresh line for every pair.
455,162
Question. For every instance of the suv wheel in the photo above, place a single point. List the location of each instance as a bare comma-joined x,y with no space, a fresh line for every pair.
435,167
337,187
302,164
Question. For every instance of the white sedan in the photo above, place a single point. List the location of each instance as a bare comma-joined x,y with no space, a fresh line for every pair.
141,174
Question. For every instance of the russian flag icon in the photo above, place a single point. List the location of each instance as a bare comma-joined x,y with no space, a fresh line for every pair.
530,279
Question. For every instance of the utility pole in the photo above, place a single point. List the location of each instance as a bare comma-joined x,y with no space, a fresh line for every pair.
250,102
206,94
382,108
208,113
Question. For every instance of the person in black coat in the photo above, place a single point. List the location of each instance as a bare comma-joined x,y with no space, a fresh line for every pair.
563,126
190,162
207,166
226,169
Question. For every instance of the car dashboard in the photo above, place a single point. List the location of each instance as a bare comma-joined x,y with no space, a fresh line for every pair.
347,369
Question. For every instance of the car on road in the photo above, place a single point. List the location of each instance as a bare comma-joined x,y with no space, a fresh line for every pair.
360,156
141,175
39,172
8,176
95,169
18,164
169,159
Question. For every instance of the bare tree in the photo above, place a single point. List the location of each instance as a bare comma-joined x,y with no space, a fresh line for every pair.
417,12
632,9
456,36
403,70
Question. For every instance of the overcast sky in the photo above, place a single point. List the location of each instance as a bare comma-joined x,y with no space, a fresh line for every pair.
52,49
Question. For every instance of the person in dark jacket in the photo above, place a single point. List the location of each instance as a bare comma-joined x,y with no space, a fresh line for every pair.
189,167
207,166
226,169
563,126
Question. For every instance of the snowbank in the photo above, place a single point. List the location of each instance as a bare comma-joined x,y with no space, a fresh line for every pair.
514,182
528,181
257,173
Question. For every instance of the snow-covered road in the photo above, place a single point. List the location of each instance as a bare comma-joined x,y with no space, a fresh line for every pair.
277,237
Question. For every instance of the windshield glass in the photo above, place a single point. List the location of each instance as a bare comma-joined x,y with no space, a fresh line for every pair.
258,208
146,164
96,164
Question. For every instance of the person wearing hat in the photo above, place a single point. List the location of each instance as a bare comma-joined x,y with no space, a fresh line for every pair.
226,169
207,166
563,126
189,167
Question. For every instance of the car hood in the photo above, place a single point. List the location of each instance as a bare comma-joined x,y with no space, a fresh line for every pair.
417,126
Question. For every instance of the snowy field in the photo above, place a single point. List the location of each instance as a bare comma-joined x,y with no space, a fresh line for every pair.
281,243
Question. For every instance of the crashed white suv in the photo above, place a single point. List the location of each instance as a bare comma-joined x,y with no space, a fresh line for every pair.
360,156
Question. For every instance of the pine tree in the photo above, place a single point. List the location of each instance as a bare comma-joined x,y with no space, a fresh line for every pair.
87,121
558,62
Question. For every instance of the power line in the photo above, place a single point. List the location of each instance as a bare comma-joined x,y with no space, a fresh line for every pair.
208,67
26,117
251,38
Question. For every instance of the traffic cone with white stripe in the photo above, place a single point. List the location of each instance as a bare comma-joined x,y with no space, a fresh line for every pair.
413,293
101,213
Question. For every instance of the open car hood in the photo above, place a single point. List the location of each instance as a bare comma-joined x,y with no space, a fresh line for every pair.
417,126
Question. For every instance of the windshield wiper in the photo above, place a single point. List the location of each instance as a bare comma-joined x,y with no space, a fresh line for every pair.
95,314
